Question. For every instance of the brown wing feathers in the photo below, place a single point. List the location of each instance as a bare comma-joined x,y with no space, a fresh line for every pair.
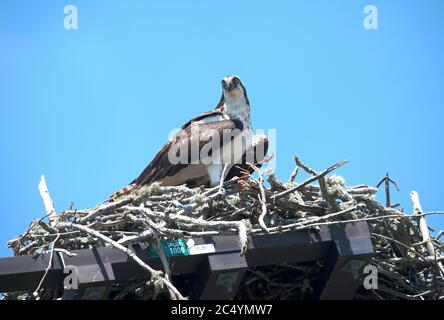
161,167
259,152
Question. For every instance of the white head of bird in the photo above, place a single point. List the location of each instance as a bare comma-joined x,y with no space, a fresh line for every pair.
236,104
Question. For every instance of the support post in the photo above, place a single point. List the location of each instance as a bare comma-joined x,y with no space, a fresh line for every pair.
221,276
343,270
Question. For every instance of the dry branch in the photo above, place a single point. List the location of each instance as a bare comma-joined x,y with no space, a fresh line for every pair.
47,201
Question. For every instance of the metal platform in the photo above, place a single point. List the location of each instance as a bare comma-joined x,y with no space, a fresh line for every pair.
345,248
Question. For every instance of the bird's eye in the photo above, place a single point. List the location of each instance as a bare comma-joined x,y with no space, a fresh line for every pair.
236,80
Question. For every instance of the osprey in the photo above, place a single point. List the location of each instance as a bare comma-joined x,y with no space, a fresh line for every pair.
210,148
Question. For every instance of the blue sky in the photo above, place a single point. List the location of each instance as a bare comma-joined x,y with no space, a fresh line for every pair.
89,108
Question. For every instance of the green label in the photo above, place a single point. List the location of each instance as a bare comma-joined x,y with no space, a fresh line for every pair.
171,249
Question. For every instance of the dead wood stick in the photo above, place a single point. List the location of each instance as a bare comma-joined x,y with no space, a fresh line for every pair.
47,201
322,184
417,210
36,291
156,242
310,222
262,198
310,180
104,209
427,259
154,273
293,175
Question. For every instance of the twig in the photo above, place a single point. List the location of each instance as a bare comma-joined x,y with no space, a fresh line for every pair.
106,208
387,181
417,210
322,183
36,291
261,197
293,175
310,180
154,273
311,223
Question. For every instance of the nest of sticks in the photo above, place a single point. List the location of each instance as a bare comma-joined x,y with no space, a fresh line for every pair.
408,258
